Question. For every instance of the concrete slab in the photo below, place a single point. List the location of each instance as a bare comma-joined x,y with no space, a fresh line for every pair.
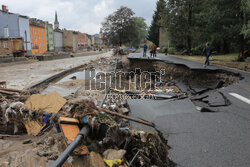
216,99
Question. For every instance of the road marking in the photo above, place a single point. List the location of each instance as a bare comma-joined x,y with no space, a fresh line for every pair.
246,100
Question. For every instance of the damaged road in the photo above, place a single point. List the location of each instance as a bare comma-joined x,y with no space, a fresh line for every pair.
215,129
188,118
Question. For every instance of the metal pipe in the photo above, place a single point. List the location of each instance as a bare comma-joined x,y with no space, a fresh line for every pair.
64,156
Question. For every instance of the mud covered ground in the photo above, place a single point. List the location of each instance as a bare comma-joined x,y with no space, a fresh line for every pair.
19,76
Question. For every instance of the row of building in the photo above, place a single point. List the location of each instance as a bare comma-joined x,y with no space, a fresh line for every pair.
21,35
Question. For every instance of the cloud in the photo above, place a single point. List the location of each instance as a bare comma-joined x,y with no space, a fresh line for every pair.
81,15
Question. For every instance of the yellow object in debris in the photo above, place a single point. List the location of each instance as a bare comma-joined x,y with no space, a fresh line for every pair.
113,162
33,127
50,103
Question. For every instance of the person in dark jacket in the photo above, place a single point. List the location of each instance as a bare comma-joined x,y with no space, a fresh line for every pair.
207,52
145,47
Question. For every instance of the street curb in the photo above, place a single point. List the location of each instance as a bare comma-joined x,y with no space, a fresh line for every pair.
53,77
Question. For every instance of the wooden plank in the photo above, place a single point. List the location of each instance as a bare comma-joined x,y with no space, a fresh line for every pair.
33,127
68,120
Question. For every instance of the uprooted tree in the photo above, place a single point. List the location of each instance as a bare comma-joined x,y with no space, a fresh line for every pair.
120,26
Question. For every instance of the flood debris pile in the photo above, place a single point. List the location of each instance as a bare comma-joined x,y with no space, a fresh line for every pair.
111,137
110,141
12,110
13,94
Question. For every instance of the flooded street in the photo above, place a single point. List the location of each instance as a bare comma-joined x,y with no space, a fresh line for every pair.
20,76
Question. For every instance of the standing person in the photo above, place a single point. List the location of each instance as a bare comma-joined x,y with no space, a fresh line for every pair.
155,49
152,50
207,53
145,47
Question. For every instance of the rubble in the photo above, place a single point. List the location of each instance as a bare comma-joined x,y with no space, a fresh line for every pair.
113,157
110,141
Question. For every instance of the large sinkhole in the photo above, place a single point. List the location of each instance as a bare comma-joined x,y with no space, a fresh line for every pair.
187,83
192,81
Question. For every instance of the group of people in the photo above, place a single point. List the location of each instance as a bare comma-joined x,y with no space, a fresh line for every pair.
152,51
206,51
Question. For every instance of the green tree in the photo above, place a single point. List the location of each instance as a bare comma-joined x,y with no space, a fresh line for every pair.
156,22
141,31
180,19
223,23
245,29
119,26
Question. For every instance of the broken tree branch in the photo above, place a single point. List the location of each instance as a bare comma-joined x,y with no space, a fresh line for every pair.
127,117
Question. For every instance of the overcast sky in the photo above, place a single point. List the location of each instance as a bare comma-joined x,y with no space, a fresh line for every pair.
83,15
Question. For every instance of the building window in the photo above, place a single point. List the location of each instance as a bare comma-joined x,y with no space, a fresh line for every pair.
38,36
31,36
42,30
5,45
42,37
38,29
43,44
39,45
32,45
35,39
35,31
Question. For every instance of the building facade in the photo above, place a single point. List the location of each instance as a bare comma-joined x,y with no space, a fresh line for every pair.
92,40
38,37
70,40
49,36
15,26
89,40
58,40
12,46
82,40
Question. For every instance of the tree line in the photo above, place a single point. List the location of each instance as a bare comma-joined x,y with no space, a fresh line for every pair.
190,24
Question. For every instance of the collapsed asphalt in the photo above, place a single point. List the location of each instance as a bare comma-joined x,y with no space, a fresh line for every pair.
220,138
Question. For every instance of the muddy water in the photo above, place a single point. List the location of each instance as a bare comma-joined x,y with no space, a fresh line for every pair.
80,75
71,83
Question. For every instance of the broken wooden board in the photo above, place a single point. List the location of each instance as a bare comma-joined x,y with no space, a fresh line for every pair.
70,129
33,127
50,103
70,132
